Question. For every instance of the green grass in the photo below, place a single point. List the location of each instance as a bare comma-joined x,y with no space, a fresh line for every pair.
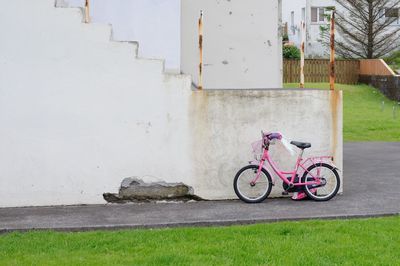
365,118
336,242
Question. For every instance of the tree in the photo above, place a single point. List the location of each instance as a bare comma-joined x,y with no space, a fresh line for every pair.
364,28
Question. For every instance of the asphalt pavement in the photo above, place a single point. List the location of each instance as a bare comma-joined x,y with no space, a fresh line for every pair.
371,188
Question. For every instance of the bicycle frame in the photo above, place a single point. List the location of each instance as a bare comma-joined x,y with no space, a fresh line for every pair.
300,164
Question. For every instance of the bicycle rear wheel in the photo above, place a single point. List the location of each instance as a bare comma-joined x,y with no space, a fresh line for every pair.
252,192
329,178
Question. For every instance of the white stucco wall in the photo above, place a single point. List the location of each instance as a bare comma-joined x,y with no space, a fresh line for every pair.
155,24
69,101
79,113
242,43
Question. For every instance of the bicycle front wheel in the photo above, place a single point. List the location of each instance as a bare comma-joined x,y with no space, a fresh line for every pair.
330,182
249,190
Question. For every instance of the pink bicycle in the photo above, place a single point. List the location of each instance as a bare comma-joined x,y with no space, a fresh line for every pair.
320,179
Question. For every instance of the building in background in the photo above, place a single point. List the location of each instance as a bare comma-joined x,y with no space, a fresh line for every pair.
314,13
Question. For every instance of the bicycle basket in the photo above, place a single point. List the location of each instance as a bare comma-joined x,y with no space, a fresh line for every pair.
257,149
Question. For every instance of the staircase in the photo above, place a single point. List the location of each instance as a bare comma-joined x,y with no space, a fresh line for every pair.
169,77
78,111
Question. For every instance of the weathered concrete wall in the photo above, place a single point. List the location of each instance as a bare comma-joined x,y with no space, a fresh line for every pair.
242,43
79,113
225,123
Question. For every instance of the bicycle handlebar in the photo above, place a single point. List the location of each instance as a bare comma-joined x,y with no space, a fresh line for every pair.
268,137
272,136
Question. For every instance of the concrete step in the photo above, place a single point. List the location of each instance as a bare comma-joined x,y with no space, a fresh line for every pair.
77,15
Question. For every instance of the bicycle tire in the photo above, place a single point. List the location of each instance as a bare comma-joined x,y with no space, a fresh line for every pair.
239,192
315,196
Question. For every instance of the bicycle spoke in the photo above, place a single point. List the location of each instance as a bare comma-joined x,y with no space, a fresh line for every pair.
248,189
326,175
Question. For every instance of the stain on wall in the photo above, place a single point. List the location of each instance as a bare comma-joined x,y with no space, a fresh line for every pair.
243,35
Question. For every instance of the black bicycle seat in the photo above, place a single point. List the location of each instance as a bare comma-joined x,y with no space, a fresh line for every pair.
301,145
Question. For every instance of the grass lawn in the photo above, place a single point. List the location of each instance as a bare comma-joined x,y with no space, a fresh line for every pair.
365,117
336,242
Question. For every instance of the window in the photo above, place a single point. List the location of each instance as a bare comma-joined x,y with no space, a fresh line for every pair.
392,14
317,14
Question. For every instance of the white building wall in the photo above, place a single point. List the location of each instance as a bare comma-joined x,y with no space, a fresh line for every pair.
79,113
155,24
228,27
242,45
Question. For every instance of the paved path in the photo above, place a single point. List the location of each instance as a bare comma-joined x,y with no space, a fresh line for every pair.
372,188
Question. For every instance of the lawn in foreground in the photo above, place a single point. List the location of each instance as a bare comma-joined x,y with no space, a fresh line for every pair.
344,242
367,114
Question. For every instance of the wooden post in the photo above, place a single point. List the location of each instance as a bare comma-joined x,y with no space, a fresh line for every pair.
200,84
87,11
302,46
332,58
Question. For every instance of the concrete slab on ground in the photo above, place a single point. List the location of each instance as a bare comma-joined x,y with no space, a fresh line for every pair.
371,184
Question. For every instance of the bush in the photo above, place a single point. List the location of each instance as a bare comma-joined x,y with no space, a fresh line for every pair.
291,52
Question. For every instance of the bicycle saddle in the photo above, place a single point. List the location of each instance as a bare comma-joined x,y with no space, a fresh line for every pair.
301,145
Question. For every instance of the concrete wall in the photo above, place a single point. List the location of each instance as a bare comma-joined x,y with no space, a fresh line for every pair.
242,43
231,59
155,24
79,113
72,104
225,123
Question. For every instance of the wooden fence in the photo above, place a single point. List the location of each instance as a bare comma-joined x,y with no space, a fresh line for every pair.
375,67
317,70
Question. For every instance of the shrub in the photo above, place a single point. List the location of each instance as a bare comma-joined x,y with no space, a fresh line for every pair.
291,52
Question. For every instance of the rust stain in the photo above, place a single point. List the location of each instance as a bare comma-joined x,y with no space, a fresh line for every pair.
332,57
200,134
200,85
302,50
87,11
334,100
334,95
